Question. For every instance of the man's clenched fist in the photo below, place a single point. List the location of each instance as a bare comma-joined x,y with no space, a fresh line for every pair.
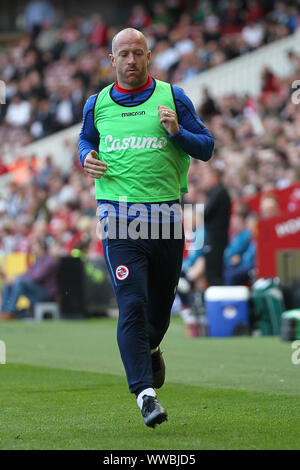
93,166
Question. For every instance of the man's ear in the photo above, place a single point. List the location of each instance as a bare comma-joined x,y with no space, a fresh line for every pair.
149,56
112,59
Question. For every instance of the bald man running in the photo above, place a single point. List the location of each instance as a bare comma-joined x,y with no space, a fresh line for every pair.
136,141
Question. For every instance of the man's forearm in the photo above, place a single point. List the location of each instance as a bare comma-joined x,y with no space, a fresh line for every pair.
84,147
198,146
89,136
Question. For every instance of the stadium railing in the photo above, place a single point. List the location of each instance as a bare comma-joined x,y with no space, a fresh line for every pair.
243,74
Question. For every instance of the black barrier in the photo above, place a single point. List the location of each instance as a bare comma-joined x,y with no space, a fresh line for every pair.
79,294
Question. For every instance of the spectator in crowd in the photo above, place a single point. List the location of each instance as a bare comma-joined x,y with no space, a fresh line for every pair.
99,34
208,108
175,7
37,13
18,112
139,18
45,172
42,123
254,11
269,206
270,83
216,224
165,56
253,34
231,17
239,255
64,115
192,282
193,265
39,283
161,16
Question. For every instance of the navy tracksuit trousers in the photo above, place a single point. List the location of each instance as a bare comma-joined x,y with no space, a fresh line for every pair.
145,274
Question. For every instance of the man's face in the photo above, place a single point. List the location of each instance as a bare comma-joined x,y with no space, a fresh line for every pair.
268,208
238,223
130,58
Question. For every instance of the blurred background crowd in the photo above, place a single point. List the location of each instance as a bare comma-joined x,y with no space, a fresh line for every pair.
55,66
50,72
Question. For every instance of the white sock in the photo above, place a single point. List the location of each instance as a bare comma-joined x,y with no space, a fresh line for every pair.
154,350
148,391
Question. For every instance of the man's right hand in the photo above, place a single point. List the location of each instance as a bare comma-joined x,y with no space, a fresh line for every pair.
93,166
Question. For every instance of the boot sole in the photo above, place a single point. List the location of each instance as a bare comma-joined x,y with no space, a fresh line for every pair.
155,418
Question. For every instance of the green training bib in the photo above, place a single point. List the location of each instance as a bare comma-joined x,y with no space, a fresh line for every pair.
143,163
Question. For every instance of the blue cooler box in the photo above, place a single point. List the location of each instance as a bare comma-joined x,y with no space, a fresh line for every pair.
226,307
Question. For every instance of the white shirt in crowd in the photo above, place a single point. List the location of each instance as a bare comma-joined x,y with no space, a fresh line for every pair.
64,112
253,34
18,114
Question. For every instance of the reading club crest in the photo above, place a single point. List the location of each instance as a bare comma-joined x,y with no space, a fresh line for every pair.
122,272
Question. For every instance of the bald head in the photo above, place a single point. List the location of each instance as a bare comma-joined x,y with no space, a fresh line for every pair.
130,57
128,35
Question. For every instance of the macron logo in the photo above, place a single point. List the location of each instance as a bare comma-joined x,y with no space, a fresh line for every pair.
133,113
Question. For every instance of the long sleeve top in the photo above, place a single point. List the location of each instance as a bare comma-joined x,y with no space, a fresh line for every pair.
193,137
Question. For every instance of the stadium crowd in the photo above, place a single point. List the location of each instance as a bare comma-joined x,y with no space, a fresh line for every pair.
257,138
50,73
50,206
50,203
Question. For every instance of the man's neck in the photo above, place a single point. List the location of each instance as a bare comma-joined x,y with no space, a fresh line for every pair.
120,89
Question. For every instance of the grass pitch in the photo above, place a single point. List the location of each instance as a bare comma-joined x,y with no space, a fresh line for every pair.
64,387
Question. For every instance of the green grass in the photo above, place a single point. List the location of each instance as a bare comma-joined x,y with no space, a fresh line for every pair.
63,387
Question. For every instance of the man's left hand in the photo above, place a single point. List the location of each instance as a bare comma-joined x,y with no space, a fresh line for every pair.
168,118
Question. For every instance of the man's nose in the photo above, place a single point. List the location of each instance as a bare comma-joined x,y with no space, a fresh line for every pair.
131,58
